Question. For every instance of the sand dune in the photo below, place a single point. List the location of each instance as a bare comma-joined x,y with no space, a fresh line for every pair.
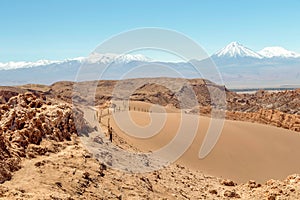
244,151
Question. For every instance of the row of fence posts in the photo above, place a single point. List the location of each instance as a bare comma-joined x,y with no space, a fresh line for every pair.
109,128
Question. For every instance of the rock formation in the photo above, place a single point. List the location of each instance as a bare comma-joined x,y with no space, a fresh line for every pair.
25,121
270,117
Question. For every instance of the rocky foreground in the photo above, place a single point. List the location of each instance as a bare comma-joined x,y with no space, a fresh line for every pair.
26,122
72,173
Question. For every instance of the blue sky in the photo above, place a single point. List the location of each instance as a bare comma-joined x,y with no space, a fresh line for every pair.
57,29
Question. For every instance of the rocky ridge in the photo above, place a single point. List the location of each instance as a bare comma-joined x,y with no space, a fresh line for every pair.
262,116
270,117
287,101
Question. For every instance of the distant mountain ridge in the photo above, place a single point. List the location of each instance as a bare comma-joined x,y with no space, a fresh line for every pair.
235,49
93,58
239,67
271,52
232,50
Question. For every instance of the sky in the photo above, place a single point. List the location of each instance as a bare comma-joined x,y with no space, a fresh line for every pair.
58,29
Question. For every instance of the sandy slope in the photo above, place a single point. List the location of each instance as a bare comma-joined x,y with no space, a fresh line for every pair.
244,151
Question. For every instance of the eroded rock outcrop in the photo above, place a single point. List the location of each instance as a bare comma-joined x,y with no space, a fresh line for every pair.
270,117
26,120
284,101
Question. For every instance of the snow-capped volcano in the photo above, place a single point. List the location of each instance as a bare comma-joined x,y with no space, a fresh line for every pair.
270,52
235,50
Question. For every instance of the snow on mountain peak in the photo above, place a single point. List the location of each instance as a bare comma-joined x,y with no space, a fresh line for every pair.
93,58
110,57
271,52
235,49
24,64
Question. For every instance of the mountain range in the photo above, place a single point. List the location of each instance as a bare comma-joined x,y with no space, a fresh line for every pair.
238,65
235,50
